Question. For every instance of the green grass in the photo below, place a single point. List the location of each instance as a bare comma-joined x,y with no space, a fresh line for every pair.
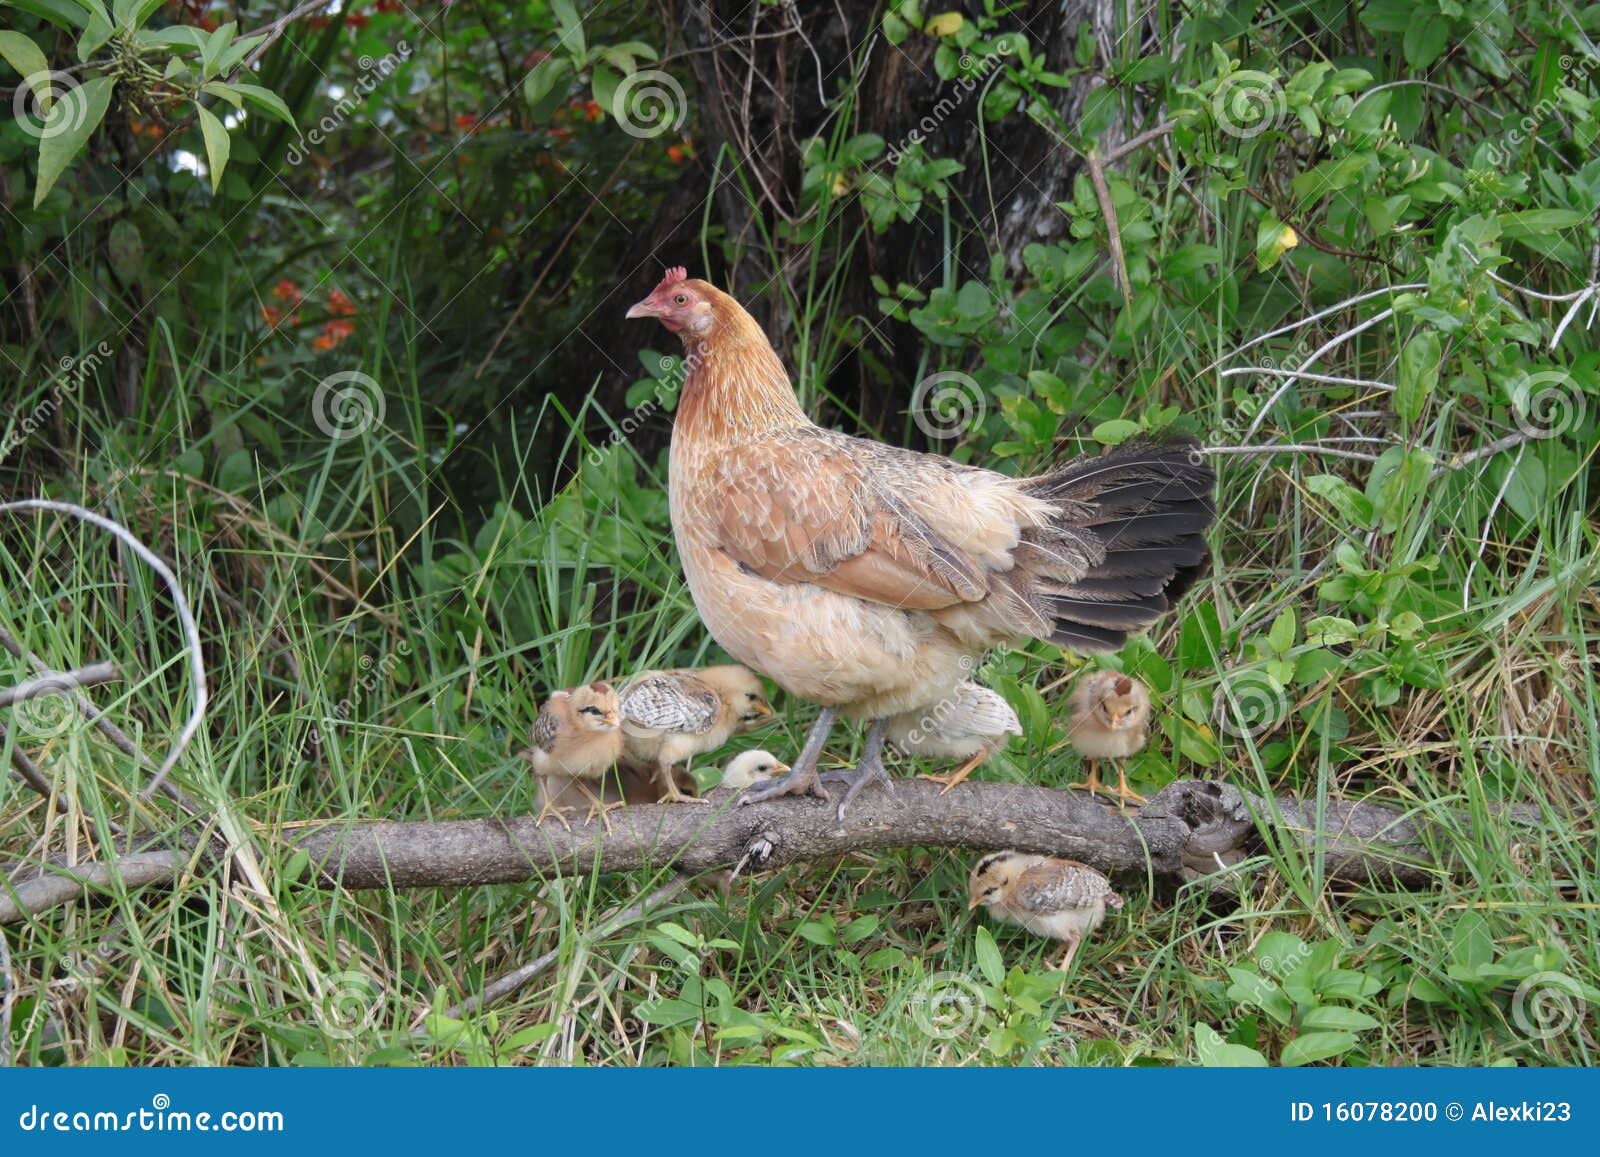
439,648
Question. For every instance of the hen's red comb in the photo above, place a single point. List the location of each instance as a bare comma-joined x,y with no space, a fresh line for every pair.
674,275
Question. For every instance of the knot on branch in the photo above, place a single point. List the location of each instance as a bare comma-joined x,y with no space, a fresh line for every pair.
1217,815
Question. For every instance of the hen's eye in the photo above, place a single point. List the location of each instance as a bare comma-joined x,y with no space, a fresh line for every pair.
680,299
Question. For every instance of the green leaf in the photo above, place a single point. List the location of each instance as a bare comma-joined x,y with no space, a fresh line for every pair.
859,928
542,80
1273,240
1214,1052
895,30
224,92
1538,222
1281,636
1425,38
989,960
1336,1018
1419,374
72,119
818,933
1315,1046
217,144
1353,506
571,28
1114,432
268,101
23,55
679,933
1471,945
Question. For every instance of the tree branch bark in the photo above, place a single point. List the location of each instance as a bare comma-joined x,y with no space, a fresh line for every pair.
1192,829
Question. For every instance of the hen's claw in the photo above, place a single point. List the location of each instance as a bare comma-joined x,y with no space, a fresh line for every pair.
869,770
800,781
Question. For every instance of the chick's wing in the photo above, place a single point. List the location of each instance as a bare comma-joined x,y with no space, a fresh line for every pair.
1058,886
661,703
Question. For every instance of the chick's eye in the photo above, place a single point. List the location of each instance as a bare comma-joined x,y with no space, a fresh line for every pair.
591,711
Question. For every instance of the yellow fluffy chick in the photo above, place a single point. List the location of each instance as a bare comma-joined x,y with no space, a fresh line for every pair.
1062,899
577,740
751,767
1109,718
970,725
669,717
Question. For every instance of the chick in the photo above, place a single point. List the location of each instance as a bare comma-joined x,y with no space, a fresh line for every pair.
751,767
1052,897
971,725
577,739
1109,718
629,785
669,717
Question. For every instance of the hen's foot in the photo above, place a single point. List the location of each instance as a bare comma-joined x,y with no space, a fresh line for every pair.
800,781
855,779
802,778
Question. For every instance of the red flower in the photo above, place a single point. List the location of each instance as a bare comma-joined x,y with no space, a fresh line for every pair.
357,20
272,315
339,305
288,291
332,334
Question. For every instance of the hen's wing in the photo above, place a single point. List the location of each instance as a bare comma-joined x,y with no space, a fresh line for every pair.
1059,886
808,506
664,702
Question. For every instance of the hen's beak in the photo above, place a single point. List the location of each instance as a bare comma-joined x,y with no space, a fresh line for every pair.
643,309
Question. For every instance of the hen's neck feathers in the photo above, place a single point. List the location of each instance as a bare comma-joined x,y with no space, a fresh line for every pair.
736,388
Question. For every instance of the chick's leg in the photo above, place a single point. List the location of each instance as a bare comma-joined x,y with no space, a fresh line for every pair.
1123,790
1066,960
869,769
959,775
1092,784
802,778
670,791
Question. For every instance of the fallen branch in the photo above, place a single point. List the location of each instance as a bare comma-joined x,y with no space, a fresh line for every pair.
60,683
1192,828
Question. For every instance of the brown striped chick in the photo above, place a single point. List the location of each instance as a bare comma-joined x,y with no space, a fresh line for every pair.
751,767
669,717
970,725
1062,899
577,740
1109,718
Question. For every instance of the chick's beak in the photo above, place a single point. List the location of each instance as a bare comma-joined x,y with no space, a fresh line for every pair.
973,902
642,309
779,769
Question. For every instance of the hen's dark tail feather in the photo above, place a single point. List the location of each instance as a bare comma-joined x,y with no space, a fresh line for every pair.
1130,540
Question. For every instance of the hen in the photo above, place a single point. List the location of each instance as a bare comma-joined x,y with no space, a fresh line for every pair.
870,579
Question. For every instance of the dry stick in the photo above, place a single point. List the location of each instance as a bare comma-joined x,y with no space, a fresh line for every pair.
59,683
504,986
1188,823
33,775
1102,193
191,631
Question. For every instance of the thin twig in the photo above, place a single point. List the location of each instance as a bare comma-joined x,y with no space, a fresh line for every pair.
1102,193
1291,448
274,30
191,630
60,683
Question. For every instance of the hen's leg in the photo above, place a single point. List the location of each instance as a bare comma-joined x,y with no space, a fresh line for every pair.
869,769
802,778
